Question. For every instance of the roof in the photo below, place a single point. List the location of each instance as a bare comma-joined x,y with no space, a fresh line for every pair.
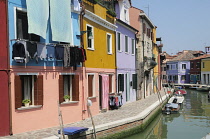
201,57
185,55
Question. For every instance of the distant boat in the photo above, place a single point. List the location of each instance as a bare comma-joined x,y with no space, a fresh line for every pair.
203,88
181,92
170,108
178,99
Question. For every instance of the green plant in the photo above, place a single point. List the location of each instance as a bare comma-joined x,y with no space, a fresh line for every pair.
66,97
26,101
112,13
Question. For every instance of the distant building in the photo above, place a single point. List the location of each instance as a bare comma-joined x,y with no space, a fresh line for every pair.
178,68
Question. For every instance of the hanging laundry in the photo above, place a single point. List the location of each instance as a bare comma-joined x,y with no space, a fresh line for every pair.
82,55
26,52
50,52
59,52
41,51
67,57
38,15
18,50
76,5
32,49
74,56
60,20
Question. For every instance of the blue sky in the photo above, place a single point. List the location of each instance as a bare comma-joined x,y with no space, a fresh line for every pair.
182,24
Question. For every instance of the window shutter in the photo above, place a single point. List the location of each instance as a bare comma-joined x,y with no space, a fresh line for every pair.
90,85
122,82
110,83
38,90
18,92
134,81
75,88
61,89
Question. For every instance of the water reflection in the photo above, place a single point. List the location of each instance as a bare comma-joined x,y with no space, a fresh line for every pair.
192,121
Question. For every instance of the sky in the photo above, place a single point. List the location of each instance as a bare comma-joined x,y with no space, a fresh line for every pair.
182,24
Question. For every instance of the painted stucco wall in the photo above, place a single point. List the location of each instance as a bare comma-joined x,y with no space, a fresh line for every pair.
4,75
47,115
205,71
99,57
184,71
172,71
126,62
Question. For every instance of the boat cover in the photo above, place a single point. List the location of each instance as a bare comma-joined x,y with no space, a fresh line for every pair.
73,130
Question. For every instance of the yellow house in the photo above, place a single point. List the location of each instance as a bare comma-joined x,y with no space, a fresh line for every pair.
155,56
99,28
205,70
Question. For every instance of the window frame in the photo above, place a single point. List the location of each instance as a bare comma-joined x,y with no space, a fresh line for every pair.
184,66
119,48
109,43
36,94
93,85
133,46
87,39
126,44
31,37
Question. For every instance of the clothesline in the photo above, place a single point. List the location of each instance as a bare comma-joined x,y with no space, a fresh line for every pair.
51,44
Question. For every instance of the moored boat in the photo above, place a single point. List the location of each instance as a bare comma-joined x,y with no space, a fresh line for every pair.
203,88
170,108
178,99
181,91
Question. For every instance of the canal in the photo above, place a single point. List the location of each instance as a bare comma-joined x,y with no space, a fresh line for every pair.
192,121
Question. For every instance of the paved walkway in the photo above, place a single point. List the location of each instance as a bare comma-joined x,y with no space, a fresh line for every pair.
126,111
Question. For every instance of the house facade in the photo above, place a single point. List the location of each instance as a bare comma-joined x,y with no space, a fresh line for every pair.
195,70
4,72
40,64
99,70
205,70
125,55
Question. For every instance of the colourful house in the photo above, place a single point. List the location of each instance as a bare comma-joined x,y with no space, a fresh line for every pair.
4,72
99,42
42,68
205,70
126,55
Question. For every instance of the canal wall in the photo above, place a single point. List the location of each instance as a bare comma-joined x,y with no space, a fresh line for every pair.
128,126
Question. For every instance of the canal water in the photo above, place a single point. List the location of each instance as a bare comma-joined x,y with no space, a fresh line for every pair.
192,121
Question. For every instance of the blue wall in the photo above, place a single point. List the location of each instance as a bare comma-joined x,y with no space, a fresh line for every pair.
22,4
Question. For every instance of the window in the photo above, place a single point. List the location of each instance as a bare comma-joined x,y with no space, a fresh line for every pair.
183,66
167,67
90,41
183,77
198,77
126,44
176,77
134,81
118,42
28,87
120,82
203,64
22,27
144,28
164,68
133,46
176,66
91,85
109,43
125,14
198,65
69,85
191,65
164,77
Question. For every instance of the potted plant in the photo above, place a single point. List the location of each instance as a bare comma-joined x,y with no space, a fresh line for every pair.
66,98
26,102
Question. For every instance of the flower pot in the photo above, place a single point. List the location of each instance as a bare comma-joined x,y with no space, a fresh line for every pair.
66,100
26,104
